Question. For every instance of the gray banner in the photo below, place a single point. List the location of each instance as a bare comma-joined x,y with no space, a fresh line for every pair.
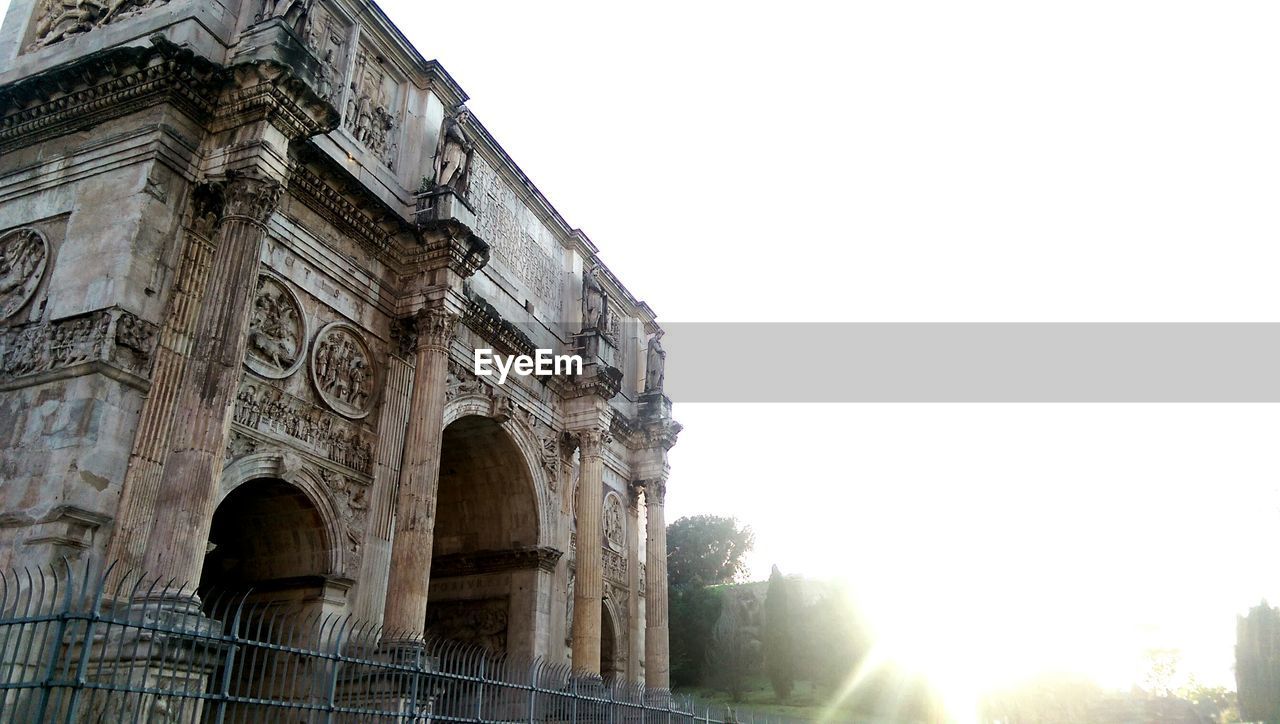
980,362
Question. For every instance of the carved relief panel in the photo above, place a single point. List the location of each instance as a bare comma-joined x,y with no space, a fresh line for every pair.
24,257
535,264
326,34
615,526
342,370
58,20
373,114
277,330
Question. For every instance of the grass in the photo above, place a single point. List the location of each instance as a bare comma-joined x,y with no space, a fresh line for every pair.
807,702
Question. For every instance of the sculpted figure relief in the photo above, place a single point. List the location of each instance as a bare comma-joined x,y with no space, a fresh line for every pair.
655,365
594,302
341,370
294,12
24,254
369,113
453,152
58,19
276,330
614,526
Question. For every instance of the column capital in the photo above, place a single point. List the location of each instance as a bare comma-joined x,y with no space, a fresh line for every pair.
591,440
249,197
433,328
655,490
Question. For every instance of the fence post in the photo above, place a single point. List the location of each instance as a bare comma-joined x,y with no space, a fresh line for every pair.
573,700
533,690
90,624
46,687
480,693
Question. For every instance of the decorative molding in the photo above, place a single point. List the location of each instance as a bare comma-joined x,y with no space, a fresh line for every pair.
542,558
342,370
269,90
334,207
24,259
483,319
106,85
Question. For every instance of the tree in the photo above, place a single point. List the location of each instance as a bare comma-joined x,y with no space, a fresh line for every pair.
692,615
705,550
733,651
779,635
1258,664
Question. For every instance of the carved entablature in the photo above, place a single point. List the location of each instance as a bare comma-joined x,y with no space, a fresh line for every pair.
373,113
59,20
24,258
113,337
262,407
106,85
277,330
343,371
542,558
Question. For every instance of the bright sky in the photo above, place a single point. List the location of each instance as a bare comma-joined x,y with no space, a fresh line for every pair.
935,161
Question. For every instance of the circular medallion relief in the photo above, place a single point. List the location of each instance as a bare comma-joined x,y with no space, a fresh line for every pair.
342,370
277,330
24,254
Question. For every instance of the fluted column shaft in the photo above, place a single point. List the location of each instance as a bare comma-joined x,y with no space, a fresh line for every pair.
588,582
136,509
410,575
657,647
188,486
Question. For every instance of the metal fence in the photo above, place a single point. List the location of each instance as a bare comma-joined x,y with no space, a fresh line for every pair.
75,648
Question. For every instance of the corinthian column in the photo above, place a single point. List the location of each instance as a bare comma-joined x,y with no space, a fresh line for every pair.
657,646
187,489
410,575
155,422
588,582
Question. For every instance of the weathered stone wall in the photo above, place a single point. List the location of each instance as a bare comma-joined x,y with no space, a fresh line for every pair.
107,139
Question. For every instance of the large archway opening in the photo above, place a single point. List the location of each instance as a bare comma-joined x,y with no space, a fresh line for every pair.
484,582
267,574
266,538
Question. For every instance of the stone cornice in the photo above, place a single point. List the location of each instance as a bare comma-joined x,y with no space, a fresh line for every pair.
483,319
542,558
105,85
604,382
449,243
268,90
333,206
